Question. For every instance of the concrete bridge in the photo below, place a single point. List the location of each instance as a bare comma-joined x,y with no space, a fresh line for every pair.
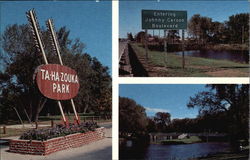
156,137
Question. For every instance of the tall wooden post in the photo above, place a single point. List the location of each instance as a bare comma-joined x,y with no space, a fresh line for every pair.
28,117
35,28
57,49
4,129
19,116
183,55
52,123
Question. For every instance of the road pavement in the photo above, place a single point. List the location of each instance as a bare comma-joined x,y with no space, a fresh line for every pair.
99,150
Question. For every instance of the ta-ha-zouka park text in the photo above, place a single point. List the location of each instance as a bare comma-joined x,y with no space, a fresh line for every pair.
64,78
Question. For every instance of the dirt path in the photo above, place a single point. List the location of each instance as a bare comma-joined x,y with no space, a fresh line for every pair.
100,150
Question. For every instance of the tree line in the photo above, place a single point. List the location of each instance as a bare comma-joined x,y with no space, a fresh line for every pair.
222,109
204,30
20,58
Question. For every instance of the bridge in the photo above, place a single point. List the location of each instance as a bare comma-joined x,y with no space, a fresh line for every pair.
156,137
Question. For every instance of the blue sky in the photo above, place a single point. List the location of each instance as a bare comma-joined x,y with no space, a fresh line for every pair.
170,98
88,20
130,11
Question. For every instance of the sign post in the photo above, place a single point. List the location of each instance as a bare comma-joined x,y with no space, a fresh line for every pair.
54,81
40,46
166,20
146,43
183,55
165,47
55,44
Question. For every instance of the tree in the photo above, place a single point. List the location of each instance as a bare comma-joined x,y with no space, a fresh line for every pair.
162,120
218,33
132,117
20,51
173,35
151,127
194,26
21,58
199,27
140,37
235,30
130,36
238,26
229,99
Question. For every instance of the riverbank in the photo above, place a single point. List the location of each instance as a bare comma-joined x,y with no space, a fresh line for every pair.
189,46
227,47
244,155
160,64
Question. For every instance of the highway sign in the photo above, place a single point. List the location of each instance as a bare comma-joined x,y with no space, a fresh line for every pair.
164,19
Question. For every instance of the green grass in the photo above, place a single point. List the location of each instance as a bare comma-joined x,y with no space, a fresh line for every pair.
194,66
12,132
192,139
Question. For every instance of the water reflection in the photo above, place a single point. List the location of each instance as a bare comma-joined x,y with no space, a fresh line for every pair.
237,56
171,152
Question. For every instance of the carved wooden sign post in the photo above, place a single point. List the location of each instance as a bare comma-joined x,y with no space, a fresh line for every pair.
54,81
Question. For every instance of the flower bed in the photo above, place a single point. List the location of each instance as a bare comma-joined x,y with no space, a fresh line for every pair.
46,143
58,131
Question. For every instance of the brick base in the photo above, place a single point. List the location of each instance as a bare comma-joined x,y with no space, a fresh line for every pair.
56,144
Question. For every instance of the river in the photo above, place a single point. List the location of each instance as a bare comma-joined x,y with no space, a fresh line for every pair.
171,152
236,56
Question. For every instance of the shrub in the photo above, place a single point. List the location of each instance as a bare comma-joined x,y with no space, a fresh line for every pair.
58,131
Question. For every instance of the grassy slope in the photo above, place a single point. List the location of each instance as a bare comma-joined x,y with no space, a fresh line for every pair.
194,67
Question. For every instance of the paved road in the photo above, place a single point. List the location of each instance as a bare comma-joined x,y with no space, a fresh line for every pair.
100,150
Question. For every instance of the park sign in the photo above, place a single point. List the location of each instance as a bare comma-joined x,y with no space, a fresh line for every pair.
164,19
57,82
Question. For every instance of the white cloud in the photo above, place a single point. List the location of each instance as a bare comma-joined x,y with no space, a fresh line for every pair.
155,110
